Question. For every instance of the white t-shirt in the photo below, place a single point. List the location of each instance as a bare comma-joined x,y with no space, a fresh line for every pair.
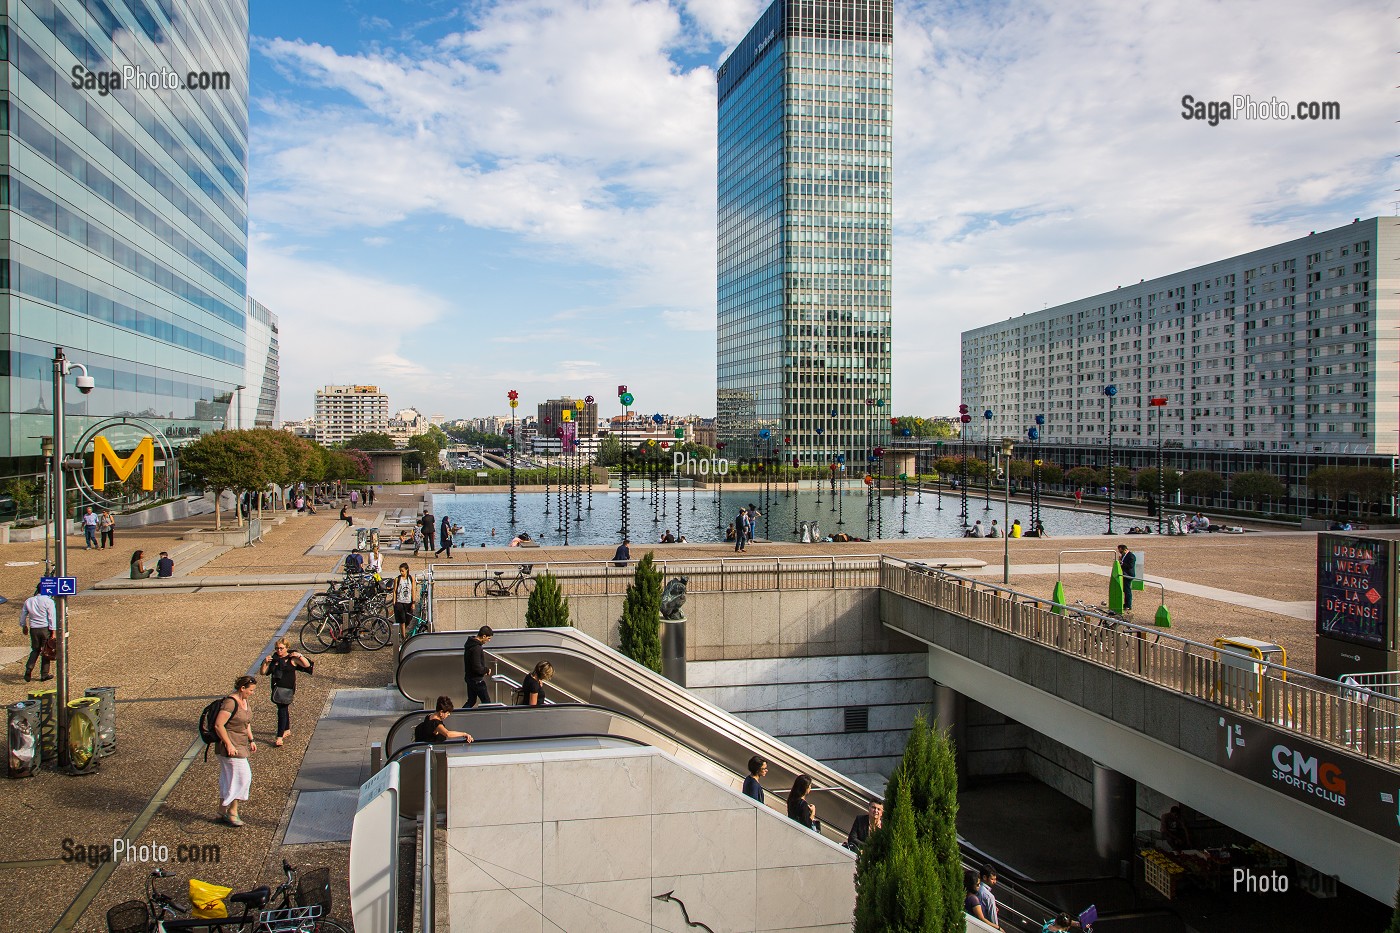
376,562
404,591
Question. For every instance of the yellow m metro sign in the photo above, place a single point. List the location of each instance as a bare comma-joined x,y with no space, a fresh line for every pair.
103,454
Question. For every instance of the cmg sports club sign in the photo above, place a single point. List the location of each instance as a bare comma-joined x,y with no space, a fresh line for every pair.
1343,785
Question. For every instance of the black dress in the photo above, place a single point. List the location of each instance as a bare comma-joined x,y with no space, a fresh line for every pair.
531,685
800,811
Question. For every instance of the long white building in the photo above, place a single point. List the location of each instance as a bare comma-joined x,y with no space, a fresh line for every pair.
1292,348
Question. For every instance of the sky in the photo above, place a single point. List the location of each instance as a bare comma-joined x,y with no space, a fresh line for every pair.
453,200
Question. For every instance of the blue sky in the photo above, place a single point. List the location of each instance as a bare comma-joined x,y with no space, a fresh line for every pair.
453,200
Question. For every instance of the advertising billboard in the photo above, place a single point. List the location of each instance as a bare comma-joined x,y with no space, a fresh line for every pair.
1354,598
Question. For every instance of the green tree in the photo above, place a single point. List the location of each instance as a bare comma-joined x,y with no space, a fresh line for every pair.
640,625
372,440
24,492
896,878
922,427
1202,484
1051,474
1083,476
1256,486
344,464
1146,481
230,461
300,460
610,451
548,606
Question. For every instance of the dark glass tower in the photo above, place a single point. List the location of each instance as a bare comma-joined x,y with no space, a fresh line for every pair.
804,232
125,214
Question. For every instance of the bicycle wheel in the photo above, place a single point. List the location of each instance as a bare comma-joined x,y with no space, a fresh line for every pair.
317,606
482,588
312,641
527,584
373,634
327,925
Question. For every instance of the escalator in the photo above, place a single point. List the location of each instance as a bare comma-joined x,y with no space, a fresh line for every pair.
604,699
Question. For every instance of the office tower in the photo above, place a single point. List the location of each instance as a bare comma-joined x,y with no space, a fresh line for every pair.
804,233
257,405
125,201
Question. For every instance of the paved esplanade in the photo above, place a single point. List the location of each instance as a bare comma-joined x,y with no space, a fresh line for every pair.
169,651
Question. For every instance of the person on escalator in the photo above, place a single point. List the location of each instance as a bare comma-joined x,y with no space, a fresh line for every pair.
866,823
758,767
799,808
532,690
476,668
434,727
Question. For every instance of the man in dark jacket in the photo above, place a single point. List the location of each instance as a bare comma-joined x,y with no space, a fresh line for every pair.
1127,560
476,669
429,525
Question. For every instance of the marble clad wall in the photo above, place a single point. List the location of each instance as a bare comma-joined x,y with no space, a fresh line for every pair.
583,841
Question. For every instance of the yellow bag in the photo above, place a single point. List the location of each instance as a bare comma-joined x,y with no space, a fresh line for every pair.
207,900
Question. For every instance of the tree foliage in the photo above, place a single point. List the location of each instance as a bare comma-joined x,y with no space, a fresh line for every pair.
909,875
640,625
548,606
232,461
1146,481
922,427
371,440
1082,476
1202,484
1256,487
610,451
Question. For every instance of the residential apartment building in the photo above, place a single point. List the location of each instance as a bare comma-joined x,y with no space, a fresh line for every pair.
125,219
342,412
804,229
1290,349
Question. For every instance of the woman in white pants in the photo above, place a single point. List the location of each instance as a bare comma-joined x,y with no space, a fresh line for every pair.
234,727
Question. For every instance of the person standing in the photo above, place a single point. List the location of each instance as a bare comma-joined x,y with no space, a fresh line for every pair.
1127,560
741,530
985,897
869,821
234,727
752,516
758,767
403,600
354,498
282,666
38,618
445,538
375,565
476,668
90,519
106,525
428,524
799,808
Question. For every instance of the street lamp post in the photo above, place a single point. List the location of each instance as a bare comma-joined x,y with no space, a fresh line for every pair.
58,463
1006,448
1111,391
1159,402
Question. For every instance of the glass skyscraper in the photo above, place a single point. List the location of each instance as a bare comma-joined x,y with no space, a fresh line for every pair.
804,233
124,197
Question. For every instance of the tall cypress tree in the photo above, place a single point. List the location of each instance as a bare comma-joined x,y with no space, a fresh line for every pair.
896,880
640,625
548,606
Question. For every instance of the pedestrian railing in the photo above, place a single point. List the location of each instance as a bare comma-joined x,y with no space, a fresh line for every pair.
1347,716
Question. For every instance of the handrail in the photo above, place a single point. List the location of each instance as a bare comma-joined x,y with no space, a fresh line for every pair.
1357,719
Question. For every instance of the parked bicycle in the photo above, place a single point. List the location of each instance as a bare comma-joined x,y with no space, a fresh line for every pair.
367,594
300,904
522,583
342,624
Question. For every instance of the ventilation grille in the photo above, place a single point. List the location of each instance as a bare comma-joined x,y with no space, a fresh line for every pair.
857,719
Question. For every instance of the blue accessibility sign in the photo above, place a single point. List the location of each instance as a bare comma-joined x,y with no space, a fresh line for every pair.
58,586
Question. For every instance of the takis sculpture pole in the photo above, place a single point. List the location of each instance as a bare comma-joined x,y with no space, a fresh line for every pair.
625,399
1111,391
514,398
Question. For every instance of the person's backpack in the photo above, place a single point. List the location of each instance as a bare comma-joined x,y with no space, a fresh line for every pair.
206,724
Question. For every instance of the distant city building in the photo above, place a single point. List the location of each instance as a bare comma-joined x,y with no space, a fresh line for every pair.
705,431
257,401
406,424
551,416
1290,349
804,232
125,220
342,412
306,427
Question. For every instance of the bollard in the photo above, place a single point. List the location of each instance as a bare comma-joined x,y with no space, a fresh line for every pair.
106,718
82,735
22,727
376,758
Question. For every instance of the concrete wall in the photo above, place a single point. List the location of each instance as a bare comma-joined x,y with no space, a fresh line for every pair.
720,626
584,841
803,701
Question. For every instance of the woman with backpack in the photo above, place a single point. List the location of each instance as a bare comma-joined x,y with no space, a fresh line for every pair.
233,727
282,666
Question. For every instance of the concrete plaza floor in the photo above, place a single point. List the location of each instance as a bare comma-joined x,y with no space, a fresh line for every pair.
169,651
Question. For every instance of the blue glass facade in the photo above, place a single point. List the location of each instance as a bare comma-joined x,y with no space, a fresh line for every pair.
804,233
125,212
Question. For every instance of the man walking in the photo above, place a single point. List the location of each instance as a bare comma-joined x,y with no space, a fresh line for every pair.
445,537
428,524
89,529
39,618
1127,560
475,667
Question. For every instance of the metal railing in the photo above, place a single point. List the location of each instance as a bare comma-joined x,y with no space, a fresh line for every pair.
703,575
1352,717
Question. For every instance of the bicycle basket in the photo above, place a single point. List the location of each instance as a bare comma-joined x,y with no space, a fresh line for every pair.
314,889
526,569
128,917
288,920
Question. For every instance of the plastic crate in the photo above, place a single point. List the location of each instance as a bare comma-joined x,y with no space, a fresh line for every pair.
1161,873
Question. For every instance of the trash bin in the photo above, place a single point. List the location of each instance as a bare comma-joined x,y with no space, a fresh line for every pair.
82,735
374,537
48,723
362,538
106,718
22,728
